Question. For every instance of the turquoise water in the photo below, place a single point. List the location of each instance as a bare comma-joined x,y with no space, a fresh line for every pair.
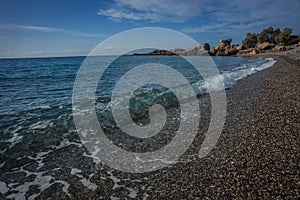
36,94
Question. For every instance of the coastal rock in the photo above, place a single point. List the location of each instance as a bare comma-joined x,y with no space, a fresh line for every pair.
223,49
201,49
205,46
214,50
162,52
220,51
264,46
254,52
195,51
246,51
240,47
178,51
279,48
225,43
230,51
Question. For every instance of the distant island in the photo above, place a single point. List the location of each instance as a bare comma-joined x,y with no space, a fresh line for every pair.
268,40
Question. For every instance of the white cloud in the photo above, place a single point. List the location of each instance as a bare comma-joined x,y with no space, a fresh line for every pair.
48,29
250,16
115,14
228,27
154,10
213,27
25,27
118,15
38,28
91,35
214,14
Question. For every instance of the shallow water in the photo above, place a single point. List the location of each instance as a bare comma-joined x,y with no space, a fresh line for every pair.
36,94
40,148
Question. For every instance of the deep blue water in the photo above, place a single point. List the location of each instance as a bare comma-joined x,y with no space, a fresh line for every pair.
36,93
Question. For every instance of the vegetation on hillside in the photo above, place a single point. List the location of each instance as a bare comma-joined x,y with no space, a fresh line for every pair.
271,35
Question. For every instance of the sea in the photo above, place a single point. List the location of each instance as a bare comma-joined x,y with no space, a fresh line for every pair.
36,99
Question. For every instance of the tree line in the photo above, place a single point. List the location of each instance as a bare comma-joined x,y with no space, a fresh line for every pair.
271,35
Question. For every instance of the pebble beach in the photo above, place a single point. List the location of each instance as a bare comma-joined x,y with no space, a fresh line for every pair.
256,157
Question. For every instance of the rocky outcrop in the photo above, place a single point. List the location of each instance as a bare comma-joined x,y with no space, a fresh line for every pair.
197,50
178,51
231,51
223,49
249,51
205,46
240,47
225,43
279,48
264,46
162,52
156,52
200,50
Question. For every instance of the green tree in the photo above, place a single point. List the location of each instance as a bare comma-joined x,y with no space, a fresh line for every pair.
250,40
284,36
266,35
275,33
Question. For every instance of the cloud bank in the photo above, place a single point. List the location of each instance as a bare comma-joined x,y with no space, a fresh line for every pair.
234,15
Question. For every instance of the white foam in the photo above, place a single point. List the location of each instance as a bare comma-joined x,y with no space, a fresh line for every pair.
86,182
45,107
66,142
14,140
112,197
43,182
75,171
40,124
133,193
3,187
65,187
114,179
228,78
2,164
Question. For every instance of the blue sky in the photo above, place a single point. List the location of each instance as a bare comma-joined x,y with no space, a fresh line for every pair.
35,28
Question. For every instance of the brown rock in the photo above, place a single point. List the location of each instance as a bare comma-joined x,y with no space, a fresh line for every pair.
195,51
230,51
279,48
249,51
225,43
223,49
264,46
214,50
161,52
254,52
178,51
240,47
205,46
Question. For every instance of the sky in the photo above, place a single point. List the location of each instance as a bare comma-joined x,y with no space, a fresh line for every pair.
35,28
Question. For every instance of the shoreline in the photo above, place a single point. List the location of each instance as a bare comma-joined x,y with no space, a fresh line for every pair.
264,151
256,155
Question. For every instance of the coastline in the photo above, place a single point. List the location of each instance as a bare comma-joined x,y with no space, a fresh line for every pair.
256,155
262,152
